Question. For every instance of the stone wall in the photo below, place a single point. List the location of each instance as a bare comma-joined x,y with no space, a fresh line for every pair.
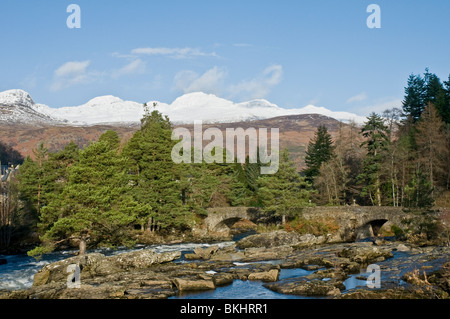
354,222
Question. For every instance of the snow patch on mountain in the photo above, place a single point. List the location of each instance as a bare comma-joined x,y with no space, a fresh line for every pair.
102,109
16,98
17,106
188,108
212,109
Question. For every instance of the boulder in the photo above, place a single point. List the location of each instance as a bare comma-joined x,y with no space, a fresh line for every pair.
141,259
57,271
271,239
222,279
280,238
202,253
96,264
270,253
206,253
365,254
403,248
193,284
309,240
267,276
304,287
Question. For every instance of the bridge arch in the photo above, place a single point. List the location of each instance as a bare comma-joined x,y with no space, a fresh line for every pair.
371,228
221,219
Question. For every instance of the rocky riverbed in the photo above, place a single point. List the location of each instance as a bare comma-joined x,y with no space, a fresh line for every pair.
406,271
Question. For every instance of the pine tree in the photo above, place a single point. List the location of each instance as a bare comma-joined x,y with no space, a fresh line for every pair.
443,102
244,188
33,180
418,193
320,150
205,184
377,138
157,180
95,206
415,97
285,193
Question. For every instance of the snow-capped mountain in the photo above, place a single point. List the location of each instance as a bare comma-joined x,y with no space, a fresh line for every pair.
185,109
210,108
17,106
102,109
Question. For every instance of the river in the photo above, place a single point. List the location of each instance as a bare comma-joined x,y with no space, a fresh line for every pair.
19,271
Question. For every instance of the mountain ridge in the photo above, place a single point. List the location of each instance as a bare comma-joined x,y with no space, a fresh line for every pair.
196,106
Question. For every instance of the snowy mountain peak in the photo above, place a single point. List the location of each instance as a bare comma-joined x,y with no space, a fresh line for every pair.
197,106
16,98
103,100
199,99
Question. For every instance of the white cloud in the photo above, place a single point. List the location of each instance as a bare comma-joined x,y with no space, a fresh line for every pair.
176,53
134,67
70,73
259,86
357,98
209,82
72,68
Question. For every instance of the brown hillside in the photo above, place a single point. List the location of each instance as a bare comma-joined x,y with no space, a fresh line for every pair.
295,133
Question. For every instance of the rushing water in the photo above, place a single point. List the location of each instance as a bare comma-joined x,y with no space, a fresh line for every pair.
19,271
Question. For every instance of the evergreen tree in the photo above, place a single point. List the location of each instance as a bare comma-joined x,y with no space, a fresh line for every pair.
34,180
433,87
419,191
206,184
415,97
285,193
377,139
320,150
443,102
95,205
244,189
157,180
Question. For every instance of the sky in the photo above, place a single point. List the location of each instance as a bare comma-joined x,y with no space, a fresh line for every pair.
291,53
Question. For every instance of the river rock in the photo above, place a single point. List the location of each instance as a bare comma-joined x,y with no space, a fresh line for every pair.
97,264
193,285
203,253
304,287
309,240
222,279
271,239
263,253
141,259
403,247
57,271
266,276
365,254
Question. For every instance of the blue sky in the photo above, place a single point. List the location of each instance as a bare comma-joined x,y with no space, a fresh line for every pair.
292,53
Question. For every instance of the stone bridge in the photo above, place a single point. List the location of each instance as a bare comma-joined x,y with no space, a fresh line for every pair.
354,222
221,219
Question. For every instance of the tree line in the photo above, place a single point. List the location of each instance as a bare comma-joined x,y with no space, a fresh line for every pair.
112,190
398,158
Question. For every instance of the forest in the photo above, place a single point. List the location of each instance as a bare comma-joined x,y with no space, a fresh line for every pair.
109,191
